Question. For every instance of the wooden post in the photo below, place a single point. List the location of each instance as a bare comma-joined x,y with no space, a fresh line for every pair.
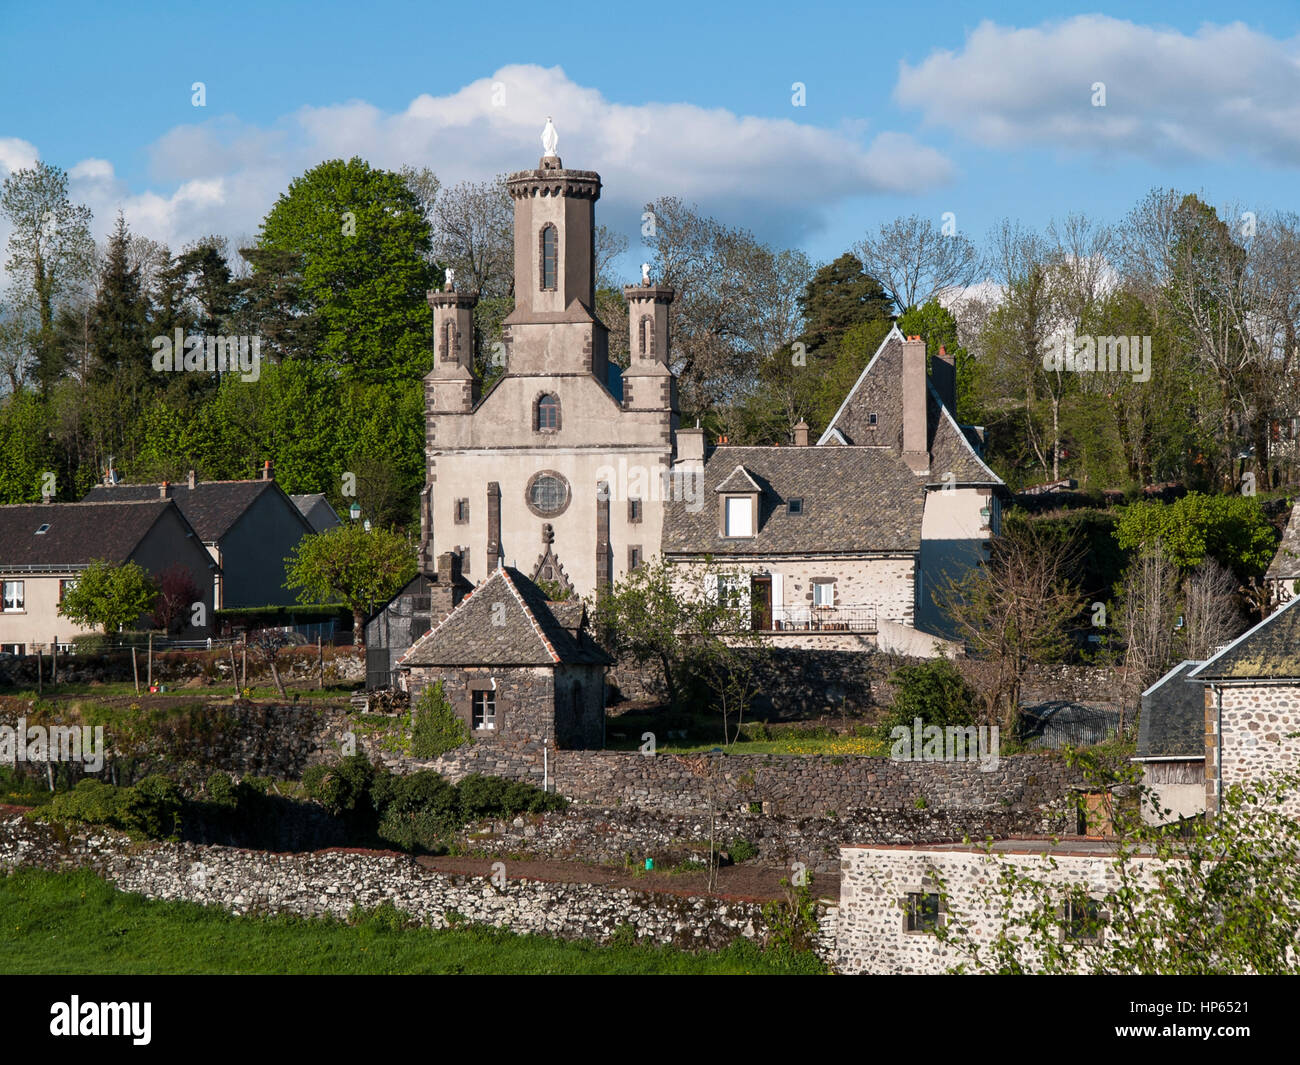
38,674
135,670
150,681
54,661
243,672
234,670
320,663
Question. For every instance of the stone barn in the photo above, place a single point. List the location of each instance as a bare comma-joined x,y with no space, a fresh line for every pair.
517,668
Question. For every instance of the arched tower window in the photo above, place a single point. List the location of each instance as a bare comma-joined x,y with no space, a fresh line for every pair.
647,336
550,242
548,413
449,342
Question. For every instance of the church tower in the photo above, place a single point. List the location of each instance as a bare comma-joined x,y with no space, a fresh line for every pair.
557,469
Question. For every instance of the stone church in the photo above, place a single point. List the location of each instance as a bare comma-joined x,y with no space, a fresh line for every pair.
573,471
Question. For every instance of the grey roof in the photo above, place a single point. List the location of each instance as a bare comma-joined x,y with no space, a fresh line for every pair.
78,533
739,480
1286,563
1269,651
1173,717
212,507
855,500
315,503
878,390
506,621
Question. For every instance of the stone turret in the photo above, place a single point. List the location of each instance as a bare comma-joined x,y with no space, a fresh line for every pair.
648,383
451,387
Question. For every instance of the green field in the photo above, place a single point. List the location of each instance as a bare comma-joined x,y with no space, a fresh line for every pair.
77,923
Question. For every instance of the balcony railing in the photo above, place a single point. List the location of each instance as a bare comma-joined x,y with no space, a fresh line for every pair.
820,619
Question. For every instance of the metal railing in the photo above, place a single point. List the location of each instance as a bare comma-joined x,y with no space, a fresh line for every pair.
821,619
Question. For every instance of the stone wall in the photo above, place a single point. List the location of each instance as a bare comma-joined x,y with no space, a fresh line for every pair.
613,835
872,936
810,785
1260,737
333,881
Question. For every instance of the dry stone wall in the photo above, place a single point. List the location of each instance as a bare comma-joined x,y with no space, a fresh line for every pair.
332,882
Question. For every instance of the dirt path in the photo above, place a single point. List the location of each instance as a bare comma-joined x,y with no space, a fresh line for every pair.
753,882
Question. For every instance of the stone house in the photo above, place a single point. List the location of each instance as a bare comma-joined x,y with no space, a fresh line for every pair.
1252,706
45,546
418,607
1171,744
519,670
248,527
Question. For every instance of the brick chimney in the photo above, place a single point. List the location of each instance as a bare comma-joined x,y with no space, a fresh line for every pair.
943,372
164,490
268,471
801,434
915,430
193,481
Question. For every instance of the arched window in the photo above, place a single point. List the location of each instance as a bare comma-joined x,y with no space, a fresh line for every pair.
548,413
647,335
449,342
550,241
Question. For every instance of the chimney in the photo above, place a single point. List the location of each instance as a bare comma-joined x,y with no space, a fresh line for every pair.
801,434
164,490
444,589
915,430
268,473
943,372
690,447
193,482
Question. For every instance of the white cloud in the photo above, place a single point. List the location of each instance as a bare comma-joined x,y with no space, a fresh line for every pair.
16,154
774,175
1224,91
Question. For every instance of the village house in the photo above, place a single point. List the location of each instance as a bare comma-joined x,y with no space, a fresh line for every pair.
45,546
520,671
317,510
248,527
1171,745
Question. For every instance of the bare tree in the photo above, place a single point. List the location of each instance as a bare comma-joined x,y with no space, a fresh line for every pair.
1210,616
915,260
1148,611
473,232
1016,610
268,644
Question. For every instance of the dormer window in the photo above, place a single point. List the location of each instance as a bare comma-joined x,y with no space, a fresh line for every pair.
738,498
550,251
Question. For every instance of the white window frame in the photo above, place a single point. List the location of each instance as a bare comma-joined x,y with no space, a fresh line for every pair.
732,530
489,701
820,598
20,601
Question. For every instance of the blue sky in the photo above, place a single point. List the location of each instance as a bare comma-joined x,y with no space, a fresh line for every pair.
982,110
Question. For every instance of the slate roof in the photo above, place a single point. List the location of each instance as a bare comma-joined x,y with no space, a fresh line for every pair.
212,507
1269,651
878,390
1173,717
739,480
855,500
1286,563
306,504
78,532
506,621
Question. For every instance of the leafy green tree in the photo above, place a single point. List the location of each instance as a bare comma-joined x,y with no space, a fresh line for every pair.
1232,529
935,324
50,251
839,296
363,241
25,445
350,565
113,596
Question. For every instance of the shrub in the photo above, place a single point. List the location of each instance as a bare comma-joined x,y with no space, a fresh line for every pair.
435,729
222,790
934,691
741,850
92,802
344,788
153,807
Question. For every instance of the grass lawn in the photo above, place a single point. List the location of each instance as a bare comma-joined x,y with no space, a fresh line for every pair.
77,923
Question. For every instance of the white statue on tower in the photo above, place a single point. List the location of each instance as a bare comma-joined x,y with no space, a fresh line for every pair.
450,285
645,273
550,138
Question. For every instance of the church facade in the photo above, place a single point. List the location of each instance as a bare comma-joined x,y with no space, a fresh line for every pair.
557,468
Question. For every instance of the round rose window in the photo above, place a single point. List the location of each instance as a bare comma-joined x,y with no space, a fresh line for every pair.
547,493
